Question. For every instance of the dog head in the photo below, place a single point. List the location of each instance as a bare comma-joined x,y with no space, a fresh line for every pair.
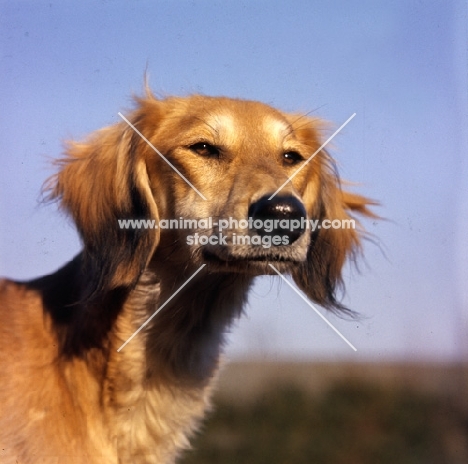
233,184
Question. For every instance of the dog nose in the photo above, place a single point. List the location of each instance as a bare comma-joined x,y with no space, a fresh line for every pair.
286,216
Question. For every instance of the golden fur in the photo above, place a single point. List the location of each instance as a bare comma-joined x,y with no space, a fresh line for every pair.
67,394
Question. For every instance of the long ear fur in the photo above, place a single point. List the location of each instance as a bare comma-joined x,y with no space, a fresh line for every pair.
320,276
99,182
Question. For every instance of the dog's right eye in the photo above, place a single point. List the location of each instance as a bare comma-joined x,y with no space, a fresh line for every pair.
205,149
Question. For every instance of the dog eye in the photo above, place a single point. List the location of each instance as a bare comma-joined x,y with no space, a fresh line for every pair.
292,157
205,149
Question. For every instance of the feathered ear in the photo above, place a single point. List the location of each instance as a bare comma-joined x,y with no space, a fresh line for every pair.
100,182
320,276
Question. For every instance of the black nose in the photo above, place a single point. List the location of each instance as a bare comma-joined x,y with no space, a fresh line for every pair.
280,216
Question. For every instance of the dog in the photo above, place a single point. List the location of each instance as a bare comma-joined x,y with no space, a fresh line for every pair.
90,374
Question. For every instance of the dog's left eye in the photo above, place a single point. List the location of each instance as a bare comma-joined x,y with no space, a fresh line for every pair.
205,149
292,157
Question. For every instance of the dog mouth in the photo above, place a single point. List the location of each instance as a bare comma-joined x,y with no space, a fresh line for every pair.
276,233
212,257
252,263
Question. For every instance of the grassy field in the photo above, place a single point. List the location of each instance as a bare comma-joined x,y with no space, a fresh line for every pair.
337,414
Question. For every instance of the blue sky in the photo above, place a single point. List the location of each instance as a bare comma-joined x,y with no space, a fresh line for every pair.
69,67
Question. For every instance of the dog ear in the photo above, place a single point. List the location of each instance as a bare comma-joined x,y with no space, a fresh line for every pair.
100,182
319,276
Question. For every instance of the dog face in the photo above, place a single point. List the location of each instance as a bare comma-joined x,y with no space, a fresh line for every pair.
237,154
218,163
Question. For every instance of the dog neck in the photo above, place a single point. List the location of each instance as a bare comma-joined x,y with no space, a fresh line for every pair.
164,377
183,340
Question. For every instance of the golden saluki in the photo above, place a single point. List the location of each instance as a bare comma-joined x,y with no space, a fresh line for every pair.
177,184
